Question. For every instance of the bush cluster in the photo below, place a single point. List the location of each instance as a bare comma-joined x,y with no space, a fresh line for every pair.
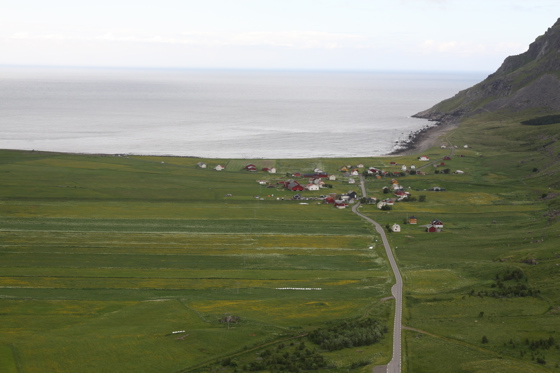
501,288
349,334
543,344
283,359
536,346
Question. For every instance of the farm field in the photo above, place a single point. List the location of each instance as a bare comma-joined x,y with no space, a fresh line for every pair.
103,258
128,263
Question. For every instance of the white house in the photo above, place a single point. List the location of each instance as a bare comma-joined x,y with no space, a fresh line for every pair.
459,172
396,228
424,158
201,164
360,165
403,167
351,181
412,167
312,186
332,177
272,170
219,168
354,173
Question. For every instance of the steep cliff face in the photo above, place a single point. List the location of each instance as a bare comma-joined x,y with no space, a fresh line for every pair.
526,81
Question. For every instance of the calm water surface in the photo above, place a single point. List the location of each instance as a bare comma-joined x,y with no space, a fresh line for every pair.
219,114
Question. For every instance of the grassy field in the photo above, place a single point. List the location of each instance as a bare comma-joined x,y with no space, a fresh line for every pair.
103,257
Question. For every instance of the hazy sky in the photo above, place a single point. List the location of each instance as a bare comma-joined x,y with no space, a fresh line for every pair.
272,34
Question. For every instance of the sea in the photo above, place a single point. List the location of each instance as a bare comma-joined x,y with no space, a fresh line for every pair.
218,113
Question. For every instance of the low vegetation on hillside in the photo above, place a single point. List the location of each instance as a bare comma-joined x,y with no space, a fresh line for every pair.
129,263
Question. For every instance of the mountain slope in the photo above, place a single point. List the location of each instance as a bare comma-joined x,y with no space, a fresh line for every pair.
530,80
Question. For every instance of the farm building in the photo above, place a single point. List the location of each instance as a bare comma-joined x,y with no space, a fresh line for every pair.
293,185
219,168
312,186
352,194
339,204
435,226
424,158
437,223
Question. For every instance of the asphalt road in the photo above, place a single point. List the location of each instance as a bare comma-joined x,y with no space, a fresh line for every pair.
394,365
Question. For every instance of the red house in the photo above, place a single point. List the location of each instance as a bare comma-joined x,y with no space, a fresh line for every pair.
293,185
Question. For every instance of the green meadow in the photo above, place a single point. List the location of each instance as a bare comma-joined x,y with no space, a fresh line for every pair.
104,257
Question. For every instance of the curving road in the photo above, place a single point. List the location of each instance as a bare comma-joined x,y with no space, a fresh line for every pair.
394,365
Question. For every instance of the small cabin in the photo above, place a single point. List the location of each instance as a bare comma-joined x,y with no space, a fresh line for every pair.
412,220
395,228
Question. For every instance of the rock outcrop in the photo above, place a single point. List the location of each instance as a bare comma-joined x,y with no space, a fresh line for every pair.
530,80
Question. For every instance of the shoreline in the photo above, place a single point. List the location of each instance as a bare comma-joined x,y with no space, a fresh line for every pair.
423,139
417,142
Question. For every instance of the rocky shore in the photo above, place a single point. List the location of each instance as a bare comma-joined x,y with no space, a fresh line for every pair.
423,139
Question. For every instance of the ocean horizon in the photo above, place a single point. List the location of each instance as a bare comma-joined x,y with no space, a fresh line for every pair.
218,113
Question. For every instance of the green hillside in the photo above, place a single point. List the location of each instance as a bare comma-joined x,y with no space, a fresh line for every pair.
104,257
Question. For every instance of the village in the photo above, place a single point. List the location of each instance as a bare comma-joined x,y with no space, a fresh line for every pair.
318,180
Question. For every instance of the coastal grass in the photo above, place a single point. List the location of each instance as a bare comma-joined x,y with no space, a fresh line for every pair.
495,221
103,257
94,248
